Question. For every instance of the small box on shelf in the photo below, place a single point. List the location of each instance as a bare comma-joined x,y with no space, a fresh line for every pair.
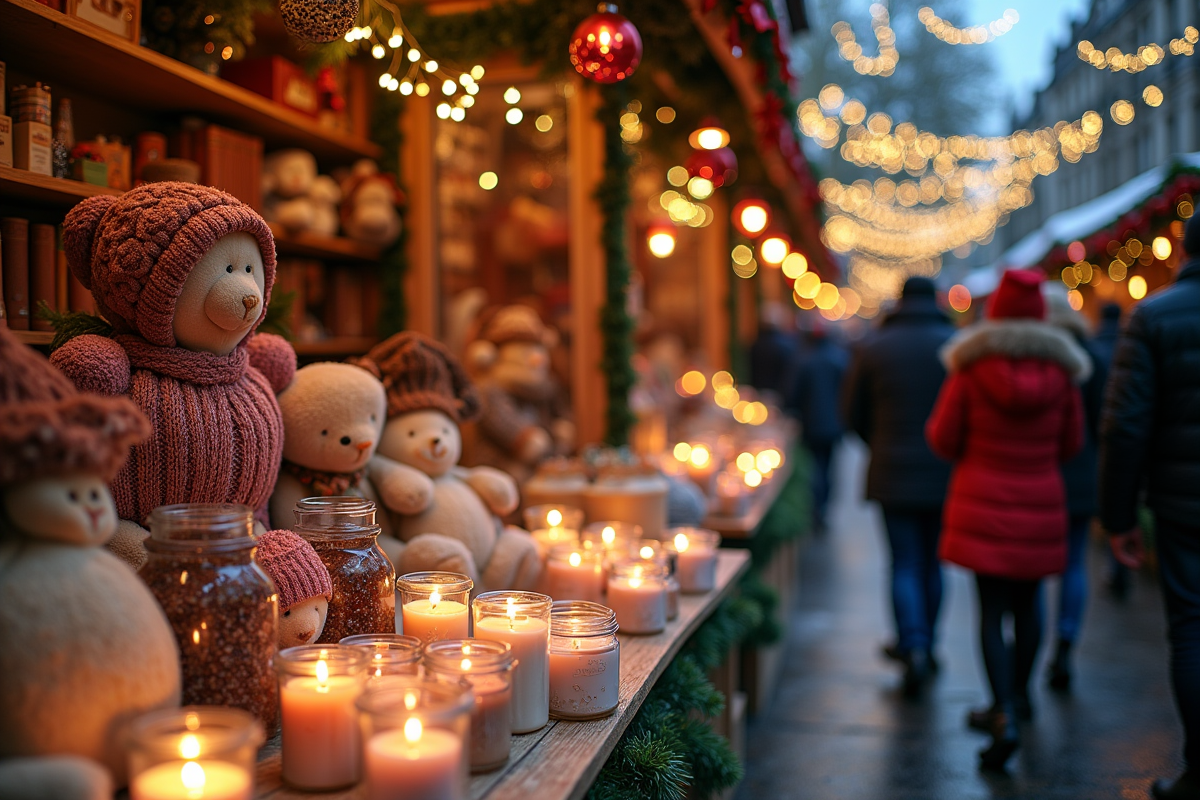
276,79
122,17
6,141
86,171
31,147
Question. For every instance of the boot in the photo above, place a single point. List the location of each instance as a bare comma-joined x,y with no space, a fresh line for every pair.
916,673
1060,668
1005,741
1185,787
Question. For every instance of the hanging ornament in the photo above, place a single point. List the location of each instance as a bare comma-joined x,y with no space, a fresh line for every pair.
606,46
319,20
718,166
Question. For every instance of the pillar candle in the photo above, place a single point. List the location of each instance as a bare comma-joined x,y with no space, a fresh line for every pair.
574,576
432,620
320,732
188,780
529,639
639,603
584,680
695,563
414,763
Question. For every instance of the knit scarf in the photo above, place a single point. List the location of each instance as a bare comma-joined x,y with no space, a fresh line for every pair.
205,369
322,483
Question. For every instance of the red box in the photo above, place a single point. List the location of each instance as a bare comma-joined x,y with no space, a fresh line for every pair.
276,79
230,161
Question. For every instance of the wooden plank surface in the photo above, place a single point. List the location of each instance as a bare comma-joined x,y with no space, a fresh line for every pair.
30,187
330,248
746,525
561,761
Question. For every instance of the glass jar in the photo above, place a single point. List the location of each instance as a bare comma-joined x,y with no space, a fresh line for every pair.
343,532
552,524
487,667
695,558
416,738
659,553
435,605
195,751
585,661
630,492
612,536
573,573
388,653
637,594
223,608
522,620
318,688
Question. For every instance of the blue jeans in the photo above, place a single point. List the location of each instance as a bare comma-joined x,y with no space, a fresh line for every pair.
1072,595
916,574
1179,569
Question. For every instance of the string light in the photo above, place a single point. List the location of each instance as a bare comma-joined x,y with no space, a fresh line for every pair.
976,34
850,50
1148,55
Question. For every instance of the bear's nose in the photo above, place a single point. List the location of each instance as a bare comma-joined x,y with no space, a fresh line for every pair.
250,301
345,440
437,440
364,445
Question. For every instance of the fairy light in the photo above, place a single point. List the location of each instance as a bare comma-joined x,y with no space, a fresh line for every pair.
975,34
850,50
1147,55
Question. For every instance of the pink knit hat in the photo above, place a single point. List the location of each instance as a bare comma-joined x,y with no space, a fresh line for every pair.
134,252
295,567
48,428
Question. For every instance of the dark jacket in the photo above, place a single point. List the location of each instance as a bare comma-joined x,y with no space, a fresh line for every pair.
1104,343
890,391
772,357
816,388
1150,427
1079,474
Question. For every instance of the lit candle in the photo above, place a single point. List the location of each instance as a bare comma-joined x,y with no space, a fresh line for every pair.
521,619
321,744
654,551
701,465
192,780
414,763
434,605
551,525
585,659
574,574
637,594
696,559
487,666
193,753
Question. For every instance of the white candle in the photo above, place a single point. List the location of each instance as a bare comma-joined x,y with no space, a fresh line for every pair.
414,763
639,601
574,575
584,678
695,563
529,639
434,618
192,780
320,730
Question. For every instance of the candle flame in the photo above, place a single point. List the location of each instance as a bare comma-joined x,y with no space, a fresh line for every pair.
189,747
681,542
699,456
192,721
554,517
575,559
410,700
635,583
753,478
647,552
413,730
192,776
608,534
466,665
322,672
466,649
434,599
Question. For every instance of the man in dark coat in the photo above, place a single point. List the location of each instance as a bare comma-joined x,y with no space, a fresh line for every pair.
772,355
813,398
1103,348
890,390
1150,437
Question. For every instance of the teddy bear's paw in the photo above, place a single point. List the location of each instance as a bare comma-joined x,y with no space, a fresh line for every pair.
515,563
437,552
54,778
537,445
128,544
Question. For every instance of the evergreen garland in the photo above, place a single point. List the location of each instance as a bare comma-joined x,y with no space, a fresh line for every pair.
393,264
69,324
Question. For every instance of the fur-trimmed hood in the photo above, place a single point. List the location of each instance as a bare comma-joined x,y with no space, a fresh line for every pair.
1017,339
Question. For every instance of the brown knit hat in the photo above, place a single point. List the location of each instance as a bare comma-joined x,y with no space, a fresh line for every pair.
134,252
48,428
515,323
419,373
295,567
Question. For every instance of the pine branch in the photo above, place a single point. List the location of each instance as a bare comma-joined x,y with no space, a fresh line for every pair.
69,324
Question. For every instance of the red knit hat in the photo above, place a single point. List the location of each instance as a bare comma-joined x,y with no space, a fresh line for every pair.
421,373
515,323
295,567
135,252
48,428
1019,296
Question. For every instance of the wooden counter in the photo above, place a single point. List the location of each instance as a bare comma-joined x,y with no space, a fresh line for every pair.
746,525
561,761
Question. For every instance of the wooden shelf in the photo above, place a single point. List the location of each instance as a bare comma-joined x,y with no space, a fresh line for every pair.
336,346
34,337
746,525
337,248
63,49
30,187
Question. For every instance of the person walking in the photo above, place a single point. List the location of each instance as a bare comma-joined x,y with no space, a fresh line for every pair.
890,390
1150,437
773,353
1008,416
1104,348
814,398
1079,478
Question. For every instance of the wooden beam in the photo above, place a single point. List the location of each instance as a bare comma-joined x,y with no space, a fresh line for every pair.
421,290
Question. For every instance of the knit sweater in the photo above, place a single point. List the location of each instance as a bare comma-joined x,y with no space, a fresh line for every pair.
218,432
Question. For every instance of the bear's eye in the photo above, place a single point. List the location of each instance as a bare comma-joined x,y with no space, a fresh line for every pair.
287,613
249,268
372,418
95,495
324,433
229,269
412,434
73,497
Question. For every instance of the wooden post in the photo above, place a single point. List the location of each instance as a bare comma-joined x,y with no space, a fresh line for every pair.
715,269
421,290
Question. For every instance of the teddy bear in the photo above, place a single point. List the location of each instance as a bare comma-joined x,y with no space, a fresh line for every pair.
85,646
369,205
446,517
303,583
183,273
333,416
525,417
296,197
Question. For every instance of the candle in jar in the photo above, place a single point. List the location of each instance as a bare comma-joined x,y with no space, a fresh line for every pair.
639,601
320,730
433,619
414,763
695,563
529,639
192,780
574,575
584,678
491,721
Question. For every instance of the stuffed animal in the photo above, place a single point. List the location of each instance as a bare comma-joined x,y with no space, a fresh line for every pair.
333,416
446,516
303,583
296,197
84,647
183,273
369,205
525,416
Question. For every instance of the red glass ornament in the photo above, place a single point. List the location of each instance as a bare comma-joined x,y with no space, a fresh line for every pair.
718,166
606,46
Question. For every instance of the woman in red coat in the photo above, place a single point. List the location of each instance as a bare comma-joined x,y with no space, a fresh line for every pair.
1008,415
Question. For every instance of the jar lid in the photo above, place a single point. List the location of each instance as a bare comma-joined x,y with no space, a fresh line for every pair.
424,583
335,517
212,730
201,527
581,619
468,656
519,603
307,660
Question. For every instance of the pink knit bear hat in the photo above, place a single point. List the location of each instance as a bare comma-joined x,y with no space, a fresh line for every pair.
295,567
134,252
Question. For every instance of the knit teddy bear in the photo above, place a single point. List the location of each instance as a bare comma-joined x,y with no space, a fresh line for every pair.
84,647
333,416
183,273
446,516
303,583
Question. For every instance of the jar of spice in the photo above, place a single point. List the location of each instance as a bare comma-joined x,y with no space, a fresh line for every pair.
223,608
585,660
487,667
344,533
